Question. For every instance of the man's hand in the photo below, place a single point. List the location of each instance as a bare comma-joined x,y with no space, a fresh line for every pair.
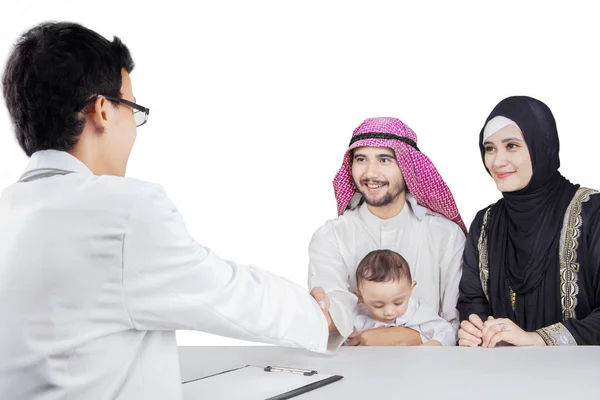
321,297
393,336
432,343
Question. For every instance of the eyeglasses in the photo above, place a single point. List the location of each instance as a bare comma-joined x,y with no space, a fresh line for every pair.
140,114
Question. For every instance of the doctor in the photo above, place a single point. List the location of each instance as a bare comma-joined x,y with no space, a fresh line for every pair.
97,271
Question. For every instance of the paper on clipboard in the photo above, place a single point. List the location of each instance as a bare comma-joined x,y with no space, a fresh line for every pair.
251,383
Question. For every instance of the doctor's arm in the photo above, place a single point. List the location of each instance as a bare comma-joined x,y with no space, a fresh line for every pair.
171,282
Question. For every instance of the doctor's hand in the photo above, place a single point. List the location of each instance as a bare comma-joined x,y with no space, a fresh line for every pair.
503,330
471,331
318,293
391,336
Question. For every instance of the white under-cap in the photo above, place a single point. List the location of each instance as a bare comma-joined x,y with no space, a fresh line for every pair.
495,124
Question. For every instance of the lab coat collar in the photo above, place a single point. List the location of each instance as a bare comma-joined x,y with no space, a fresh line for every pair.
54,160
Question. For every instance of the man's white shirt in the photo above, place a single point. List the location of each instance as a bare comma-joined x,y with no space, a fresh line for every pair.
432,246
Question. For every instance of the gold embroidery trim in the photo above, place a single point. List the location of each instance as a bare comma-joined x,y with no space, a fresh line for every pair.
513,298
484,272
569,241
557,335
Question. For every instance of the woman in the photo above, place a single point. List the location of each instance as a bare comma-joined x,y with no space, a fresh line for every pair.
532,260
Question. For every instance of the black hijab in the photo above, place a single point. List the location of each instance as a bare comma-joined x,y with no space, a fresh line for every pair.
525,225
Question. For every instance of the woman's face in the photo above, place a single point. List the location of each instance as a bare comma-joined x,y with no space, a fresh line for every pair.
508,160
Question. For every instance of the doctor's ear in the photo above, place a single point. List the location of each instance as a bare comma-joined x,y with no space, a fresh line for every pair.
97,114
413,284
357,294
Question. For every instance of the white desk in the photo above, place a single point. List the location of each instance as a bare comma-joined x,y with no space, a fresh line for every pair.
506,373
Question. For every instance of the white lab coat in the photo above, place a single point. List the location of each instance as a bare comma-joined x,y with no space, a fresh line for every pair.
97,273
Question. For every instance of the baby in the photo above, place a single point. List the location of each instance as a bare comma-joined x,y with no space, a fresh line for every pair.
384,288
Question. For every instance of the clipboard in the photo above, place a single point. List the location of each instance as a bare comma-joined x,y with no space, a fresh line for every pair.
256,383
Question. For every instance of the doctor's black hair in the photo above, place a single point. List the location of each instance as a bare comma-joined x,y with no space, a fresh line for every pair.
54,68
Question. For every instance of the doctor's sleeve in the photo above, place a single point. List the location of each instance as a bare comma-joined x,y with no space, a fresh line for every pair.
171,282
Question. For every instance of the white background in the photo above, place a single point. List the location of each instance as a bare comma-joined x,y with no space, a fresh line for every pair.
254,102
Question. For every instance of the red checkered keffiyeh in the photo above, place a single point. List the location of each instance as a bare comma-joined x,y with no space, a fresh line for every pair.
421,177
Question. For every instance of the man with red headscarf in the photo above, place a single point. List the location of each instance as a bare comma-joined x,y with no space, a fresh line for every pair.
389,196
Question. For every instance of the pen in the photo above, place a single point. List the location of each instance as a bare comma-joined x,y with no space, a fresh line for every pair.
306,372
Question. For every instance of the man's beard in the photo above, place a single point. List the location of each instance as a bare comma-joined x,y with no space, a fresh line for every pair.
391,195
